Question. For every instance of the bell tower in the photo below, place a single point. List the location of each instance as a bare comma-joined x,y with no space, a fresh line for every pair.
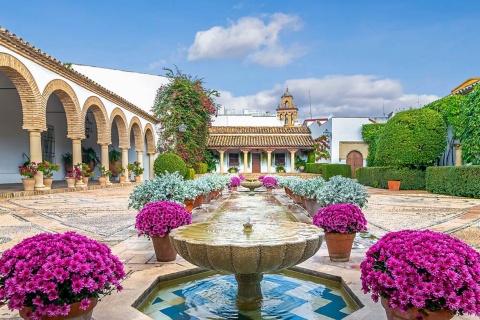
287,111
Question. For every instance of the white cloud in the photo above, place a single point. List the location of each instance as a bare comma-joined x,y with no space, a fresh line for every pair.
336,95
154,65
250,39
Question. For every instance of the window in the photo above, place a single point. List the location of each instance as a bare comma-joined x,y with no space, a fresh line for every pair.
48,144
279,159
233,160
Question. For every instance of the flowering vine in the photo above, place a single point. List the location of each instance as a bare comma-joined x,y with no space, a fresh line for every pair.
322,145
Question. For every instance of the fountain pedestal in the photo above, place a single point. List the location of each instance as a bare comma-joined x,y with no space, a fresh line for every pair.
249,295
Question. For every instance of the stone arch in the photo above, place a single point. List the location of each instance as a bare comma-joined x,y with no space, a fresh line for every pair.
120,120
73,112
150,137
101,118
33,111
136,126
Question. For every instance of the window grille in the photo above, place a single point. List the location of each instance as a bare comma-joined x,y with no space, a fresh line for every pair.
48,144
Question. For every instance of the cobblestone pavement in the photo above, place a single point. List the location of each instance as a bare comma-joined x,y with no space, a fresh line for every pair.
103,215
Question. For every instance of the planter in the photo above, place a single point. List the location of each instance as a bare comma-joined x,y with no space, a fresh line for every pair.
68,167
112,166
75,312
207,198
304,205
70,182
297,199
122,179
137,178
28,184
289,192
85,180
411,314
198,201
301,168
189,204
339,245
102,181
164,251
48,183
393,185
233,189
269,190
312,206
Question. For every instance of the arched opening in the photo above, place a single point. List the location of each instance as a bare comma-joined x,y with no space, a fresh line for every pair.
355,160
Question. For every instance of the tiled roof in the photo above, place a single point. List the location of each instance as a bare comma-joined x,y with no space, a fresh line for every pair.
260,137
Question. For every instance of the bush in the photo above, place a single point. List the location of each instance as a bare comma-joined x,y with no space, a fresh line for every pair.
455,181
330,170
378,177
314,167
190,174
342,190
200,168
169,162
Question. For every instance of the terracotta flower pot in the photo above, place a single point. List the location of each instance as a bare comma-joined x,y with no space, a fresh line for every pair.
75,312
312,206
137,178
394,185
198,201
269,190
122,179
164,251
189,204
207,198
289,192
411,314
48,183
102,181
85,180
70,182
28,184
339,245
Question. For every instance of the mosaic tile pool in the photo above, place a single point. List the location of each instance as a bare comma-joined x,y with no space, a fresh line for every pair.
287,295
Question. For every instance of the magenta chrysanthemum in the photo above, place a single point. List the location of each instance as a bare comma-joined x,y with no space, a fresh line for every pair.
340,218
423,269
158,218
234,182
269,182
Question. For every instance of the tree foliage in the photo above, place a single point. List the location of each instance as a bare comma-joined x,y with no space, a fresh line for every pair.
469,132
184,100
412,139
450,108
370,134
169,162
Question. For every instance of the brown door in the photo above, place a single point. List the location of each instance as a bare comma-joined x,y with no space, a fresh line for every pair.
256,165
355,160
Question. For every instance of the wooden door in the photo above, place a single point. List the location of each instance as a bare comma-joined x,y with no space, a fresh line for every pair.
355,160
256,164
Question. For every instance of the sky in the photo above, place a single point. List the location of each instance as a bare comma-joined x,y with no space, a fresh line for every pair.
337,58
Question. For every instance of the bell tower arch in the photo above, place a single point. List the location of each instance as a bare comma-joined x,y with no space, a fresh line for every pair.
287,111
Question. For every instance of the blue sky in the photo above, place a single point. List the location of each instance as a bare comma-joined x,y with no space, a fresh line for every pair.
356,58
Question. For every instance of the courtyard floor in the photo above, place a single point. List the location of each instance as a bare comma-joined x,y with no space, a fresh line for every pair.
102,214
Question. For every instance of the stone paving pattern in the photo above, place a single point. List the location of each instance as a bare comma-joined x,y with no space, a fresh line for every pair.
102,214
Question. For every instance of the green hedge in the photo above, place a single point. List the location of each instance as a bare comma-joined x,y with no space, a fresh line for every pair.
378,177
314,168
169,162
334,169
455,181
190,174
200,168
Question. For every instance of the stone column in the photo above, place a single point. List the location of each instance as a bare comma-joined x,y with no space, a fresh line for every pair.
139,159
222,169
104,159
36,156
292,159
77,158
151,162
125,164
245,161
269,161
458,155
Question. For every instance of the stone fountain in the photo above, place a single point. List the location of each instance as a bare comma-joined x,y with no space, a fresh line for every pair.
247,252
251,184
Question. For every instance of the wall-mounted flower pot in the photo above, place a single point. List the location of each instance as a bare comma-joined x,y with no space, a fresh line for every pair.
394,185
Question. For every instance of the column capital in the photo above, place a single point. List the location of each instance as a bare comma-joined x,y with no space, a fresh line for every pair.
221,151
151,153
245,150
124,147
292,150
269,150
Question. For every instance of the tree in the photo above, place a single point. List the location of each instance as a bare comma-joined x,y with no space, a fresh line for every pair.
184,100
412,139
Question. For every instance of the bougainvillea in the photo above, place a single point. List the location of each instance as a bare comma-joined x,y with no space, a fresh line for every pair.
184,100
29,170
321,148
158,218
423,269
340,218
48,272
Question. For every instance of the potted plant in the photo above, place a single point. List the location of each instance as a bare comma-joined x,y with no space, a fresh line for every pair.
300,164
61,275
121,173
233,170
234,183
269,183
280,169
421,274
155,221
341,222
393,185
104,175
47,168
86,174
68,162
342,190
89,156
28,172
136,169
114,157
311,186
191,193
73,176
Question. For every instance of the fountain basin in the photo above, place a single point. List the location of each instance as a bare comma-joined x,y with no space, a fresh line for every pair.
251,185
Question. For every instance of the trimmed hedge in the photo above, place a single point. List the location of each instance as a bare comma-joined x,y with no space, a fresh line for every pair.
455,181
200,168
314,168
190,174
169,162
378,177
334,169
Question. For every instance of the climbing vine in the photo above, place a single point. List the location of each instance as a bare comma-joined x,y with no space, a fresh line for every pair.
469,132
321,148
184,100
370,133
450,108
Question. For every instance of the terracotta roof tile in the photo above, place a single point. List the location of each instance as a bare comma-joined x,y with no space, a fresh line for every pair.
260,130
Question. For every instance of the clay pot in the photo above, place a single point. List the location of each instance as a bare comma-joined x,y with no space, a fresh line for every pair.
137,178
102,181
70,182
112,166
75,312
198,201
411,314
188,204
164,251
339,245
394,185
122,179
48,183
269,190
28,184
85,180
312,206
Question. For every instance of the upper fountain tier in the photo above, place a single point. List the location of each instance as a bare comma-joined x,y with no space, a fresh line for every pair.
267,248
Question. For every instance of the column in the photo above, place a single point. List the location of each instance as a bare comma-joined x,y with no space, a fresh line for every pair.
104,159
125,164
36,156
151,162
292,159
222,170
139,159
269,161
245,161
77,157
458,155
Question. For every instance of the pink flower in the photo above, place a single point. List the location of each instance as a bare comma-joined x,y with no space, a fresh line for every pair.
340,218
84,304
158,218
